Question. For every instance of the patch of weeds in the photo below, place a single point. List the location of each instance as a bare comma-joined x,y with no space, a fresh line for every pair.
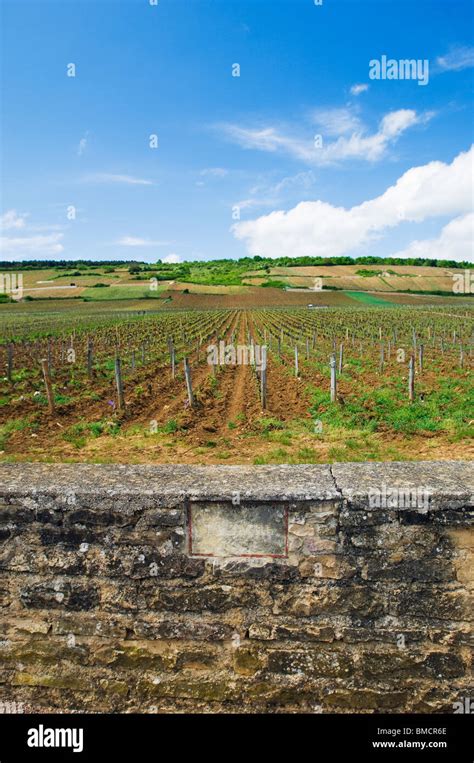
96,428
269,424
15,425
133,430
170,427
353,444
74,438
278,456
77,434
94,396
463,433
20,375
307,456
58,399
284,438
112,427
62,399
337,454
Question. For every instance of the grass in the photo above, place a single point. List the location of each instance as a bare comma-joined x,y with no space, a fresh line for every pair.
170,427
278,456
441,410
58,399
79,434
267,424
15,425
367,299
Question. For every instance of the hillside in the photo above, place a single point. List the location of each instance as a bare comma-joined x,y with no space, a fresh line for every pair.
249,279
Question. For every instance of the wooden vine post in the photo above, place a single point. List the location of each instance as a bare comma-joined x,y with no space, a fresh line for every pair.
90,359
189,383
47,384
332,365
263,378
119,384
9,363
411,379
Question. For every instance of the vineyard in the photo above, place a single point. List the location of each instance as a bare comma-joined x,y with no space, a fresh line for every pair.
268,385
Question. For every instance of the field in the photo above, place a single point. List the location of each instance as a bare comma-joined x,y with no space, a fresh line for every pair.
119,393
389,278
226,278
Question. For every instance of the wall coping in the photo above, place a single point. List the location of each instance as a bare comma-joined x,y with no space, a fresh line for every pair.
450,483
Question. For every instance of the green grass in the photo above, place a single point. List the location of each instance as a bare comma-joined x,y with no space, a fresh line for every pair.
445,409
15,425
267,424
274,284
170,427
78,434
369,273
367,299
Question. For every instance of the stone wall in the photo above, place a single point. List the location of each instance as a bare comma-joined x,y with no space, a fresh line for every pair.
233,589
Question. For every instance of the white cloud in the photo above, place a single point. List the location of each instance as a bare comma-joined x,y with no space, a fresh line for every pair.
12,219
40,228
34,247
216,172
105,177
266,194
135,241
358,89
337,121
458,58
82,144
267,139
356,145
453,243
172,259
300,180
320,229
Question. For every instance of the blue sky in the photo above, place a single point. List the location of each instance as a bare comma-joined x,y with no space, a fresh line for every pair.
239,167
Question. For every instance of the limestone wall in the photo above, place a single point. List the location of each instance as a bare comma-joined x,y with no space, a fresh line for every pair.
224,589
